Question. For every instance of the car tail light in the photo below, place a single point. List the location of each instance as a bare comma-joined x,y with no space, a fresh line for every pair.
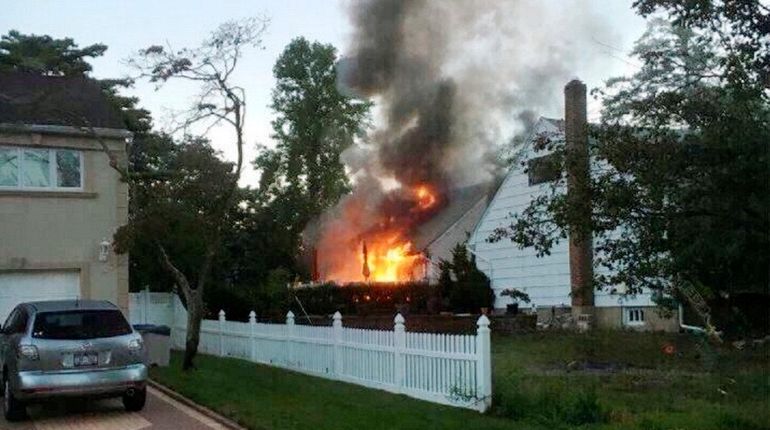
28,351
135,345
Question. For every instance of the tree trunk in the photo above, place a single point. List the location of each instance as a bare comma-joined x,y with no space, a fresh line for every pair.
194,301
194,318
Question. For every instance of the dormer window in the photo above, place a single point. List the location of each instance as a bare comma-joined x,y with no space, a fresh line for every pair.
41,169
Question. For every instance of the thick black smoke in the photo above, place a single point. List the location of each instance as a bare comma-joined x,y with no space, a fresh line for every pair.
453,81
452,77
389,62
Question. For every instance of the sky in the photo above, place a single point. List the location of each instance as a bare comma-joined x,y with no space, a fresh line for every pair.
127,26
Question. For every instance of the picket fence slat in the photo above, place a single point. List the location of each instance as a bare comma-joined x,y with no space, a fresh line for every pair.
438,367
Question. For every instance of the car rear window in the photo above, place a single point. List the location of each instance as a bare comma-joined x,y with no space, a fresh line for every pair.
80,324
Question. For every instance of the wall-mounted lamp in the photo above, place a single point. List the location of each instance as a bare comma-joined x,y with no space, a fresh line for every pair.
104,249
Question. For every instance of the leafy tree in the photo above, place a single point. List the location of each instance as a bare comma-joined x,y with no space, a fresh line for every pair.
259,242
46,55
30,53
204,198
466,288
314,123
174,210
681,192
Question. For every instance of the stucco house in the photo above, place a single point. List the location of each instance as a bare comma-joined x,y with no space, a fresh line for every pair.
60,201
546,279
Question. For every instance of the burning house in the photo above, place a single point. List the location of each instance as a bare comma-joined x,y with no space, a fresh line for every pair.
393,250
407,189
450,89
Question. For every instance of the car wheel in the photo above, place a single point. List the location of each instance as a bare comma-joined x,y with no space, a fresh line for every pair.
13,409
135,400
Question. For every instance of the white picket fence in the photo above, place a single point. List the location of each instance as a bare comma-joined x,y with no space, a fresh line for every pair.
443,368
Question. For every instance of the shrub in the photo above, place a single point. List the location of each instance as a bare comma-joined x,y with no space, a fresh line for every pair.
268,300
463,285
584,408
363,298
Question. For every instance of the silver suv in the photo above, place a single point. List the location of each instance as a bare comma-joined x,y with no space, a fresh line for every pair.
70,348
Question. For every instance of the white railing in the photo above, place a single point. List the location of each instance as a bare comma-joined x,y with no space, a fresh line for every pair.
443,368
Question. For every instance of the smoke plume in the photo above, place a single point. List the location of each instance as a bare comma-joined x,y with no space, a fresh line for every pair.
453,81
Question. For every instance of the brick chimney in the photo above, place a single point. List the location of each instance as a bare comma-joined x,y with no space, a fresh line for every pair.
579,198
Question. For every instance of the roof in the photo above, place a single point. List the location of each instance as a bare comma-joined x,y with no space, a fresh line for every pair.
68,305
543,124
460,202
32,99
558,123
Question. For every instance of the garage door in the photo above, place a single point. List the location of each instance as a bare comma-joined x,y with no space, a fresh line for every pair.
18,287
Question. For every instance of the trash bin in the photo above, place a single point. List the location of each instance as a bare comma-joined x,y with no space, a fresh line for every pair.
512,309
157,343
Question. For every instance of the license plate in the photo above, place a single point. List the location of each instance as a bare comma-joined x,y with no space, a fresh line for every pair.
87,359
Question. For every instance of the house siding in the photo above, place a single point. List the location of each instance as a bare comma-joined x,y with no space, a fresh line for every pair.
545,279
441,248
63,230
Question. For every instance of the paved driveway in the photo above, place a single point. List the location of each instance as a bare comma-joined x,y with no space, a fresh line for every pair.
161,412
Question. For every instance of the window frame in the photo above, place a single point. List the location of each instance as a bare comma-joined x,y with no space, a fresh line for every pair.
21,324
9,320
16,323
40,318
52,172
634,316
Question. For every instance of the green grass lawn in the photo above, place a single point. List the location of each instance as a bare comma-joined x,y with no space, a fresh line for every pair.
603,380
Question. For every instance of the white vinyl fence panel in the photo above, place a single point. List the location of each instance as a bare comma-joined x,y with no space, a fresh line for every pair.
151,308
443,368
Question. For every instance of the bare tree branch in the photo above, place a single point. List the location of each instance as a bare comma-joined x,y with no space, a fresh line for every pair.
219,102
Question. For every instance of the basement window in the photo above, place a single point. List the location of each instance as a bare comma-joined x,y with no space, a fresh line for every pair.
634,316
543,169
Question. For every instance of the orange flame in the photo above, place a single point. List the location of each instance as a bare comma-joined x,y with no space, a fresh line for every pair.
390,258
426,198
393,263
389,253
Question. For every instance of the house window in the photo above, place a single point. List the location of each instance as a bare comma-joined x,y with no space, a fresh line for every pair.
9,167
543,169
634,316
40,169
68,169
36,168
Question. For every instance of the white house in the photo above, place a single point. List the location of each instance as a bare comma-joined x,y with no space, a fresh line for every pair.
546,279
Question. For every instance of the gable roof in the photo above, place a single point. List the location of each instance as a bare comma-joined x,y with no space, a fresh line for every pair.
543,125
461,201
558,123
31,99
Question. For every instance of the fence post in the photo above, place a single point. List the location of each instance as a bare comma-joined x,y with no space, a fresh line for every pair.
483,364
289,336
337,328
146,304
399,343
221,333
252,341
